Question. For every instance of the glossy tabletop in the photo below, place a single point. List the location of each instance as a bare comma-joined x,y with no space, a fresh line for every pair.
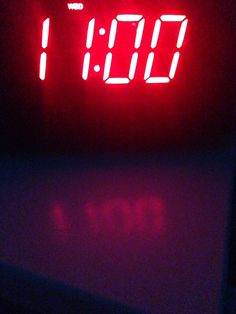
148,232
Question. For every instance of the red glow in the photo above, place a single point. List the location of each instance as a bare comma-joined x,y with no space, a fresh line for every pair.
86,66
42,67
113,42
59,218
182,34
90,33
174,65
43,56
45,33
122,216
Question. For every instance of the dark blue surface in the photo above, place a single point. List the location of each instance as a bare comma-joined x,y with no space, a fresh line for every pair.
147,232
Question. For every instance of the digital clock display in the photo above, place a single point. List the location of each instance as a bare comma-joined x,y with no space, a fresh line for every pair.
123,74
134,26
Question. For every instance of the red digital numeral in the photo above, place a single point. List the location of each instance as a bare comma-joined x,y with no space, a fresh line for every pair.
111,43
43,56
89,42
128,18
175,59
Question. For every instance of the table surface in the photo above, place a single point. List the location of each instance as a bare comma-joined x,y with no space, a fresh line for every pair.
148,232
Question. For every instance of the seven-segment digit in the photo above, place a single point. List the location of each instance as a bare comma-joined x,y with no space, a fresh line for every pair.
154,42
43,56
111,43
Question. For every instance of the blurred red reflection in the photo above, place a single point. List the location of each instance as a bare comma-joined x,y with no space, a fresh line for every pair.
120,215
59,218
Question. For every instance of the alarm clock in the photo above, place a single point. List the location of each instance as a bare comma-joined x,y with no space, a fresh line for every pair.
124,75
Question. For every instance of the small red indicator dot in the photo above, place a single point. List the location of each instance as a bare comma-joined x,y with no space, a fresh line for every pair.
97,68
102,31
